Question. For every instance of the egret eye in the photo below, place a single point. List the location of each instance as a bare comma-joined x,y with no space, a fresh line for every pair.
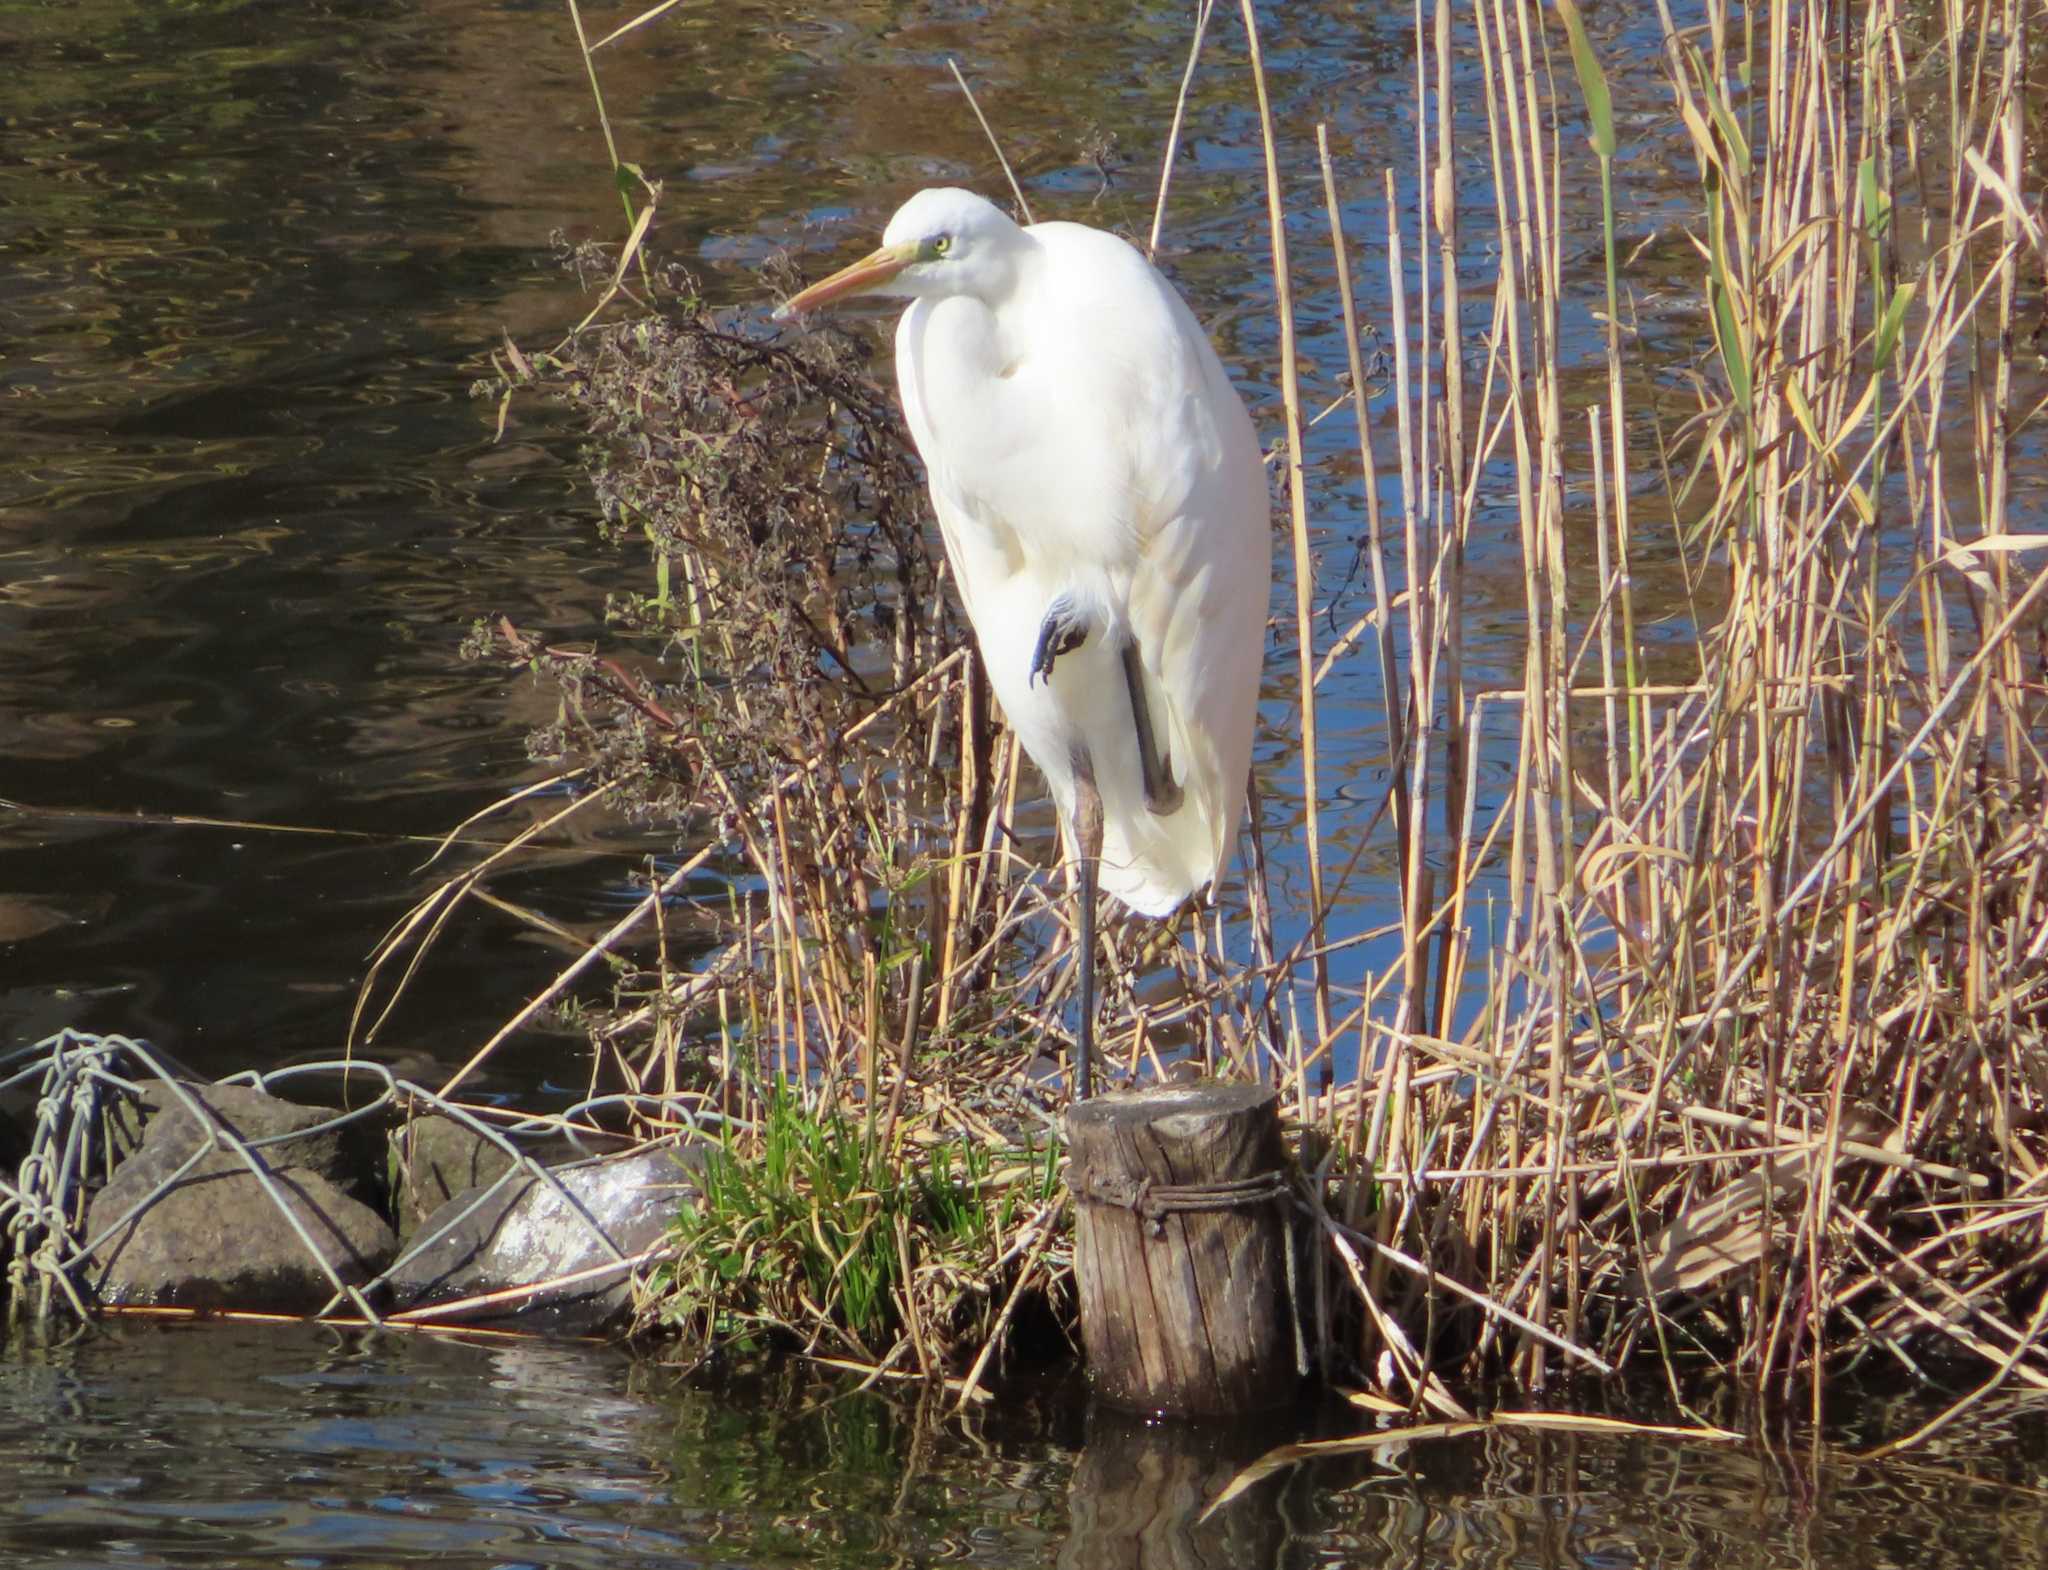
942,245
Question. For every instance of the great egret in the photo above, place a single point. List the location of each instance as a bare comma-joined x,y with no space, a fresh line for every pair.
1104,507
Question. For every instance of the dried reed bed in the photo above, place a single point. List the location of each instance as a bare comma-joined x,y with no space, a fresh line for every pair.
1758,1071
1749,1070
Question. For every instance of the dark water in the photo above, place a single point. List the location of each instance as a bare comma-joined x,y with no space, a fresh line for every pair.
229,1447
251,257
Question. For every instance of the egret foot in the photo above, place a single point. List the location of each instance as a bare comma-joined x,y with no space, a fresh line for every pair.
1162,794
1064,630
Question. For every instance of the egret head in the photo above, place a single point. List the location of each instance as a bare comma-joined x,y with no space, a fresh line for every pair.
941,242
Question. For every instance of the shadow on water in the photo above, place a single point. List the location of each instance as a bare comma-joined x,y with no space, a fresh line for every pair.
306,1448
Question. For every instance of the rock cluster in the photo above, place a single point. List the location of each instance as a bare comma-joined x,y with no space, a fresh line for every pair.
232,1199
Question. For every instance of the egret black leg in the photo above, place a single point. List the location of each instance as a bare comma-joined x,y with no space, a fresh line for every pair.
1087,835
1064,630
1162,795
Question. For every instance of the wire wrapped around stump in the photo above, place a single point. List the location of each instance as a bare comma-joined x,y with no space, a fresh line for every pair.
1153,1202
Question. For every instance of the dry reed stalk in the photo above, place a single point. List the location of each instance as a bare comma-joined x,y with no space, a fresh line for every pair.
1698,860
1754,1062
1392,714
1203,11
1304,561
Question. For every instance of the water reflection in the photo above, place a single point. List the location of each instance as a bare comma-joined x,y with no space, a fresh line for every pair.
233,1446
247,509
1140,1489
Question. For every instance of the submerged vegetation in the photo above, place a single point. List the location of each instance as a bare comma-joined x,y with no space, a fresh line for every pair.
1714,1036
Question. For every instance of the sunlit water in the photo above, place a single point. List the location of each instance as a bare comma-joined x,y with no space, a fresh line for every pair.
226,1447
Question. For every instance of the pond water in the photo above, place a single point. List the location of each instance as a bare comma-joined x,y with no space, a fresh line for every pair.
238,1446
248,508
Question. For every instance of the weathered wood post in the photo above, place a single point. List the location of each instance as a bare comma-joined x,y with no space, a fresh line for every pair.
1180,1248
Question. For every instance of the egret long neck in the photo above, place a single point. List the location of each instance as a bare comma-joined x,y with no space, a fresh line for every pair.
959,367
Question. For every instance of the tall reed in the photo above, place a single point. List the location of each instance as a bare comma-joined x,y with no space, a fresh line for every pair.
1715,1034
1757,1067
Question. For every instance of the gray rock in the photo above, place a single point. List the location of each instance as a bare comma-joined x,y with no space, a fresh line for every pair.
350,1157
524,1234
433,1159
217,1240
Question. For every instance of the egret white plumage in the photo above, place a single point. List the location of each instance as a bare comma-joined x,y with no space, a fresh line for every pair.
1104,507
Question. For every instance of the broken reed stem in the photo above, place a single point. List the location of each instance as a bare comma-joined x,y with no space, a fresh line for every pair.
1016,190
1203,12
604,119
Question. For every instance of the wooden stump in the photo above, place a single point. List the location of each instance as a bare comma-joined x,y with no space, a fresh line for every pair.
1180,1248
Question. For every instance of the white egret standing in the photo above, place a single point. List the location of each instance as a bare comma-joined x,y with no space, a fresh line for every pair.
1104,507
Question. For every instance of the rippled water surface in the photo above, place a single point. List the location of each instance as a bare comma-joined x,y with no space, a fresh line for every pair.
254,256
300,1448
